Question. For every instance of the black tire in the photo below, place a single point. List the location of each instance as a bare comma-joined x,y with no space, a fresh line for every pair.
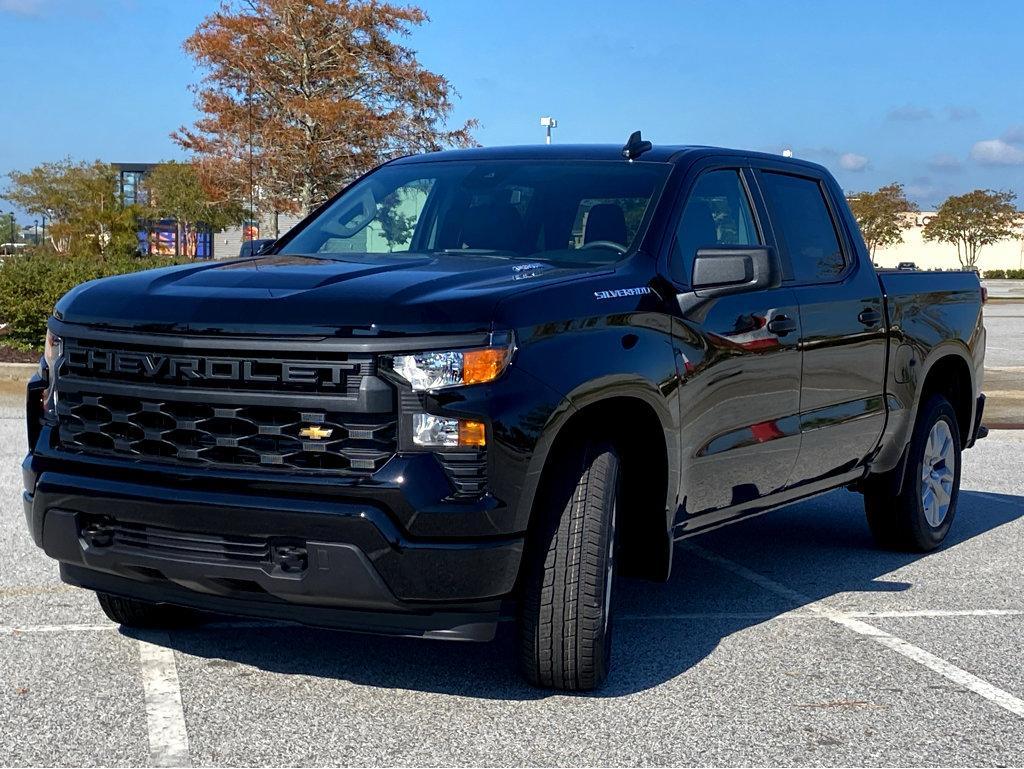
901,522
565,612
132,612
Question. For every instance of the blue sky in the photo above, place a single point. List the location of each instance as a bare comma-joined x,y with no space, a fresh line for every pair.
927,93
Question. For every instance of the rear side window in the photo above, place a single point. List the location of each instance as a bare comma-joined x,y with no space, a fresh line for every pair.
804,224
717,213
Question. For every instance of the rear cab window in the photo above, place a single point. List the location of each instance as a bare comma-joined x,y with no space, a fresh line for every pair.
804,226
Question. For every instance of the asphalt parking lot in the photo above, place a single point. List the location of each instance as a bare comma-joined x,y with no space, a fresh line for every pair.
787,639
783,640
1004,362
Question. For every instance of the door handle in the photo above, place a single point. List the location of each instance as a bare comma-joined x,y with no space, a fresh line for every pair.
781,325
870,317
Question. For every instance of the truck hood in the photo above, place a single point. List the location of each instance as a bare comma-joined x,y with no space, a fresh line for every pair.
288,294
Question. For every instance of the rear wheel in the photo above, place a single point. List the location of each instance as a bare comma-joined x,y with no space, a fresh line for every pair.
565,620
920,516
132,612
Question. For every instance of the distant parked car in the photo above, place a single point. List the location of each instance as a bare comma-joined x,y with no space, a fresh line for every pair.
255,247
900,266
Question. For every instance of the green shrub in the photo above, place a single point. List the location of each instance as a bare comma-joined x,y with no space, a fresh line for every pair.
30,286
995,274
1015,274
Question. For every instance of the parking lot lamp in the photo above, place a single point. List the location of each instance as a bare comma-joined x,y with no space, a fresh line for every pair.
549,123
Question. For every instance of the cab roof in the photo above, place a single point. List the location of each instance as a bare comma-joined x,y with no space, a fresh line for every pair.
659,153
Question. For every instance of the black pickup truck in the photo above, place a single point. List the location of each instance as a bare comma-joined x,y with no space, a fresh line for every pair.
481,383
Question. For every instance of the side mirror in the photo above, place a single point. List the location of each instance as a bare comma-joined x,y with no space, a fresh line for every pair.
732,270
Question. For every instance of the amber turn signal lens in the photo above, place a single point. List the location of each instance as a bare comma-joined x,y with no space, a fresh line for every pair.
471,433
483,365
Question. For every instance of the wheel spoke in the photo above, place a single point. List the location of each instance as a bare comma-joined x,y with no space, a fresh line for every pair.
938,473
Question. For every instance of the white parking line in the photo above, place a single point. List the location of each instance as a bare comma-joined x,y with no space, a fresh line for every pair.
946,669
165,718
16,629
911,613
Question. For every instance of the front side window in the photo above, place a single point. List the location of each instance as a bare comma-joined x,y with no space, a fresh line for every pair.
804,224
575,212
717,213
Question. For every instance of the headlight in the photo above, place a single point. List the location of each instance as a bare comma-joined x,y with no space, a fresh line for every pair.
437,370
430,430
52,352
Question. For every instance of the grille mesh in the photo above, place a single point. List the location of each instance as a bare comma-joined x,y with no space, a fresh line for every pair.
219,435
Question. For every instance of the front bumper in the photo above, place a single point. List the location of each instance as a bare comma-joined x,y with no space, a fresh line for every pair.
338,563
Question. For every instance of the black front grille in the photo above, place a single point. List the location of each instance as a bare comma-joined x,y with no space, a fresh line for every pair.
231,436
240,409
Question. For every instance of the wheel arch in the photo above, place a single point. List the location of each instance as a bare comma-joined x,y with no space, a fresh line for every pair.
634,416
948,372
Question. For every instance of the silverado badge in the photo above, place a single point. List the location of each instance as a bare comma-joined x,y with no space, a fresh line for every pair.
315,432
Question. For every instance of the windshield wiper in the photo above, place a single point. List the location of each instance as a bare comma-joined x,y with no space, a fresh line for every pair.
480,252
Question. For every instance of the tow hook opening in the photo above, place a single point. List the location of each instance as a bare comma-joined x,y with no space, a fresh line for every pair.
97,533
291,558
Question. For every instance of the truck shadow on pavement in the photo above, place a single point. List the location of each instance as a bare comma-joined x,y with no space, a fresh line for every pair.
819,548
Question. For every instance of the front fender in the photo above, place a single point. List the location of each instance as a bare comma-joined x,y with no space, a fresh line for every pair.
593,361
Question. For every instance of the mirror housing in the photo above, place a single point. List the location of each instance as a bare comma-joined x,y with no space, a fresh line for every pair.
724,270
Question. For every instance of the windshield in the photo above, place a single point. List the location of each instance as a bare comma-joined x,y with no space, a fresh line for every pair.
578,212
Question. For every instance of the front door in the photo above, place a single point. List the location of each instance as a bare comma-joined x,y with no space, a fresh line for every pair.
738,359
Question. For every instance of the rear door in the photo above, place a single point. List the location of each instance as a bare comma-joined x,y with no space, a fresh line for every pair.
737,355
842,336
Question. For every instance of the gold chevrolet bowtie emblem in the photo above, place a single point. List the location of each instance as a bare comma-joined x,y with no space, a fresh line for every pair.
315,432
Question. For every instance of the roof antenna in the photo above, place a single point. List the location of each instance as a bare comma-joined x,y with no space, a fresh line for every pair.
635,147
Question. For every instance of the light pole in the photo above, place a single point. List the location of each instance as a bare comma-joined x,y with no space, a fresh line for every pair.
35,223
549,123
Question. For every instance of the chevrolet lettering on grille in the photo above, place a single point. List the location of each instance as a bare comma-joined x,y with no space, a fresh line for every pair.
191,368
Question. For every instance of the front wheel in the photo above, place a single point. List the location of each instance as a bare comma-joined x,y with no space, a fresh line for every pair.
565,619
919,517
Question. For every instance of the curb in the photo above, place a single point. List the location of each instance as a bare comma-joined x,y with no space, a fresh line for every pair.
17,372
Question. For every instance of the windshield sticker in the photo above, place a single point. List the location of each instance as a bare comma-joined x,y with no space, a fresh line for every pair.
619,292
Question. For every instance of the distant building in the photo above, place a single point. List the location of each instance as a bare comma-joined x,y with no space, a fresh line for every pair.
1007,254
161,237
164,237
227,243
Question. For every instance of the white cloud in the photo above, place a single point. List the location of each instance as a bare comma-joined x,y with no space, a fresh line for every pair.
910,113
1015,135
851,161
997,152
945,163
957,114
22,7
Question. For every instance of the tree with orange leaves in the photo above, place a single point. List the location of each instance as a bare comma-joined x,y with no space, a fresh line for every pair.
300,97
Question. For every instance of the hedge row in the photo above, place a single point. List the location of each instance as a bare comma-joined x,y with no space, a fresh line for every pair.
30,286
1012,274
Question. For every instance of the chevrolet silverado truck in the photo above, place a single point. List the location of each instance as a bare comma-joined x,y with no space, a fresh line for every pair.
479,384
